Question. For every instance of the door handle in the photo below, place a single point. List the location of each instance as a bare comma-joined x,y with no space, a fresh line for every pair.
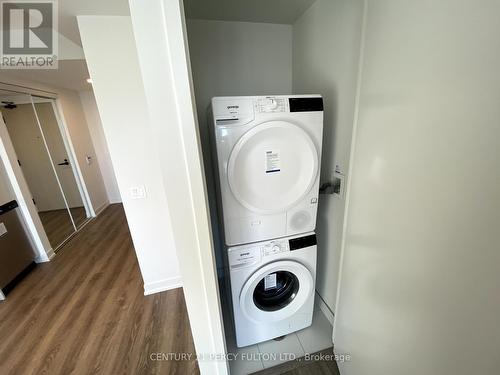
65,162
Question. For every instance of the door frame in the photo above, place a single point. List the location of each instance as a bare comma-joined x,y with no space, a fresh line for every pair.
77,172
161,42
44,250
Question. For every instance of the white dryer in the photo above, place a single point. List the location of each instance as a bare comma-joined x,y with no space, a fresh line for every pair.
272,287
267,151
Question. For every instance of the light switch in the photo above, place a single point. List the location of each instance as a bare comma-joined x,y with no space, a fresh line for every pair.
138,192
3,229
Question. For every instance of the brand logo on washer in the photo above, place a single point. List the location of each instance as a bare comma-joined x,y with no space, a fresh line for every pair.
233,107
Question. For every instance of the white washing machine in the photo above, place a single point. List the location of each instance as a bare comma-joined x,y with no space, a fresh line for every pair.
272,287
267,152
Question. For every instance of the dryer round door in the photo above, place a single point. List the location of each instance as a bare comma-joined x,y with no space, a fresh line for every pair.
276,291
272,167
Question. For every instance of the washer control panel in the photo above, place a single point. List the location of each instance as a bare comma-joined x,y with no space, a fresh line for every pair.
271,104
275,247
240,257
249,255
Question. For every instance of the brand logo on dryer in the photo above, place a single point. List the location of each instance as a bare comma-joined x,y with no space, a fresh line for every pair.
233,107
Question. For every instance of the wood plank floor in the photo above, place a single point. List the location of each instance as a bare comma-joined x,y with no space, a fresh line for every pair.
58,225
300,366
85,312
79,215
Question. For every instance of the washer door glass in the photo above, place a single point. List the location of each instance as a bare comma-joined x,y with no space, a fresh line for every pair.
276,291
272,166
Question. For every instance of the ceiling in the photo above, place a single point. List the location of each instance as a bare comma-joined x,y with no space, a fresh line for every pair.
268,11
69,9
72,72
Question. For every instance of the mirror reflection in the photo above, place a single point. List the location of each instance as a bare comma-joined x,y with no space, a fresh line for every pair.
42,152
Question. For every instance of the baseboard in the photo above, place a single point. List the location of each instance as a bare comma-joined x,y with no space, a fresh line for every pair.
51,254
101,208
45,257
162,285
115,201
324,308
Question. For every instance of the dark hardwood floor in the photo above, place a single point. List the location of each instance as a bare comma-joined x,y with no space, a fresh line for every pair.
79,215
85,312
321,363
58,225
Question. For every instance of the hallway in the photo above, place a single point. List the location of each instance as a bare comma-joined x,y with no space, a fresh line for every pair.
85,312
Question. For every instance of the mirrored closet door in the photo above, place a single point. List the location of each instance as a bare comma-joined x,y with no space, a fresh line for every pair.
42,152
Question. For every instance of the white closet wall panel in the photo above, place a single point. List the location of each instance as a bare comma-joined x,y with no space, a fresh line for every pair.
326,45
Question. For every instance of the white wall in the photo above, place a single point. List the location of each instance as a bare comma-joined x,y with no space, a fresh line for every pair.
420,280
112,60
101,148
326,45
238,58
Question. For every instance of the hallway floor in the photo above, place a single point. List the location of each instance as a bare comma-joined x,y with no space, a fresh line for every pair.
58,225
85,312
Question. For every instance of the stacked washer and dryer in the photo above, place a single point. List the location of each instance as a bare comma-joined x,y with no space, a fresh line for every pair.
266,153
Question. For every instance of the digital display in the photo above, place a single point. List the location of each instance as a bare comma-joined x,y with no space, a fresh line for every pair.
302,242
306,104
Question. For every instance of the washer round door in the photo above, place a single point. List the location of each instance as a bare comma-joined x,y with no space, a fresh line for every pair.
276,291
272,167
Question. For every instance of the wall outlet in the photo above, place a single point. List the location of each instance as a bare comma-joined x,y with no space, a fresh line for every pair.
338,184
138,192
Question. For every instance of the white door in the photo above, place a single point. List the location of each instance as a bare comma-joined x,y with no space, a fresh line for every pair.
419,291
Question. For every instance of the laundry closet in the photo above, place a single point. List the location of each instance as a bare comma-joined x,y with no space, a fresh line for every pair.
254,56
